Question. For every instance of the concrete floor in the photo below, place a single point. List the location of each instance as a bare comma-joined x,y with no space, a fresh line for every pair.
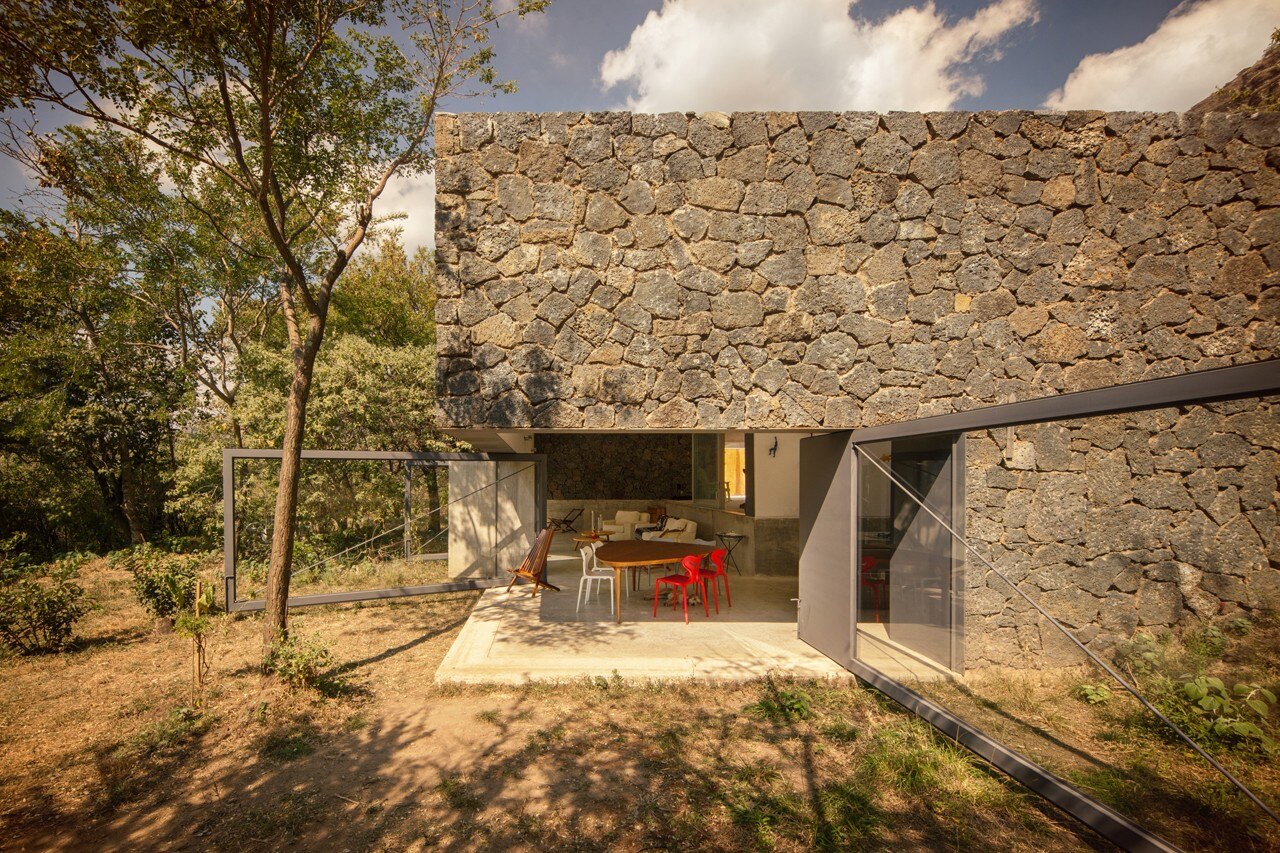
514,637
896,661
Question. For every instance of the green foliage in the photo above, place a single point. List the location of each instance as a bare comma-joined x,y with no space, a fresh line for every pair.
300,663
1235,715
164,582
1142,655
39,605
1094,694
1206,642
188,624
782,706
1239,627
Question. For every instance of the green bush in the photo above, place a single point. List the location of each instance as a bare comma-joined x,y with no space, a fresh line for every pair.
1236,715
39,605
299,663
164,582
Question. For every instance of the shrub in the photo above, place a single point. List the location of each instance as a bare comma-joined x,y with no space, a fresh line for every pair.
39,605
1236,715
164,582
299,662
1143,655
1094,694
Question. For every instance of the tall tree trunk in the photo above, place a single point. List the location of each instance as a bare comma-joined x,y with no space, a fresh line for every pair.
275,625
129,502
112,497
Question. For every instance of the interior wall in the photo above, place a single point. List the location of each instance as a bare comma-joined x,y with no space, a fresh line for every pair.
777,477
616,466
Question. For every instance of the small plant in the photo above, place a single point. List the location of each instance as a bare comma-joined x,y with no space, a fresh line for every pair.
1208,642
1094,694
165,583
1239,627
1235,714
457,793
783,706
1142,655
299,663
39,605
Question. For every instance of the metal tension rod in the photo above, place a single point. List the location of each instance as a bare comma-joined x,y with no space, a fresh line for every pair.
1072,637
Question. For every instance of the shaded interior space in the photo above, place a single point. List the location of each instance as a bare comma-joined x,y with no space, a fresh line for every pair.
514,637
909,572
732,489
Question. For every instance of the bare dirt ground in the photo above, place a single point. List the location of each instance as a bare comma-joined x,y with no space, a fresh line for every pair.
100,748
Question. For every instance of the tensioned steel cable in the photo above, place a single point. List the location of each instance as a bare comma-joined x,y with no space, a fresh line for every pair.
445,505
1072,637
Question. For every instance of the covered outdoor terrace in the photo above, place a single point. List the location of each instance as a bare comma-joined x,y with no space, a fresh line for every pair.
514,636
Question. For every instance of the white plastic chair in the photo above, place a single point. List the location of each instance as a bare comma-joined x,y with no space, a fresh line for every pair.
593,574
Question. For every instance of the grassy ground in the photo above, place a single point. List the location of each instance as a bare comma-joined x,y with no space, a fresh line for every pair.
337,576
1120,753
100,747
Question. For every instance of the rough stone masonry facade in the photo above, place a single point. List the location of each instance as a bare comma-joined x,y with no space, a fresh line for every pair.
834,270
775,270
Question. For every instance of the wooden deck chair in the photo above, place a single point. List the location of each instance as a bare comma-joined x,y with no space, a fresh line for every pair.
565,525
534,567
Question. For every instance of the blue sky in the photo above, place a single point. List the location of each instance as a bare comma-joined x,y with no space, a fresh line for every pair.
557,61
656,55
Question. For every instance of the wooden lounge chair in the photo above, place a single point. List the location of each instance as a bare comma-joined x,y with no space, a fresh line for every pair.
534,567
565,525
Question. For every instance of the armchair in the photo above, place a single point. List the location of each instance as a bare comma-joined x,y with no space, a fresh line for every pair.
675,530
623,525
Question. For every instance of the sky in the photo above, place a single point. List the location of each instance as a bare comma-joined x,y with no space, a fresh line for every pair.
660,55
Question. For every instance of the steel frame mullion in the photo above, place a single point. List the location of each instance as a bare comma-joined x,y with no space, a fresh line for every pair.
231,454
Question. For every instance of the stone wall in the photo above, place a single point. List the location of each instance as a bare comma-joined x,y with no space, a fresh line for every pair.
775,270
1116,523
616,466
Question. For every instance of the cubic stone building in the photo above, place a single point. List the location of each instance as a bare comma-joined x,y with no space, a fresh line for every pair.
782,275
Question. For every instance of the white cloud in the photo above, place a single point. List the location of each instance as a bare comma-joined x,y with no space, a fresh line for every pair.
805,54
415,197
1197,48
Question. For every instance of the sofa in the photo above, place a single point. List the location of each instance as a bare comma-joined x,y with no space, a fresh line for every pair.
623,524
675,530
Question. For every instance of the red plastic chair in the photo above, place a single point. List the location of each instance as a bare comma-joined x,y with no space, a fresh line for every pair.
692,566
876,584
717,559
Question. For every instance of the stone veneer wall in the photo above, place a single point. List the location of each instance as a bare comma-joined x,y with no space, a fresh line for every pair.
618,466
764,270
1116,523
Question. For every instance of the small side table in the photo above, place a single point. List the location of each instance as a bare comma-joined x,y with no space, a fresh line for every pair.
593,536
731,541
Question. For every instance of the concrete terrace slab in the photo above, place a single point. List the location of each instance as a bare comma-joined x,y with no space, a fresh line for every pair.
512,638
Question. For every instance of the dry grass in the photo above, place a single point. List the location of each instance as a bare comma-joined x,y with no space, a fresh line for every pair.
98,751
342,577
1118,752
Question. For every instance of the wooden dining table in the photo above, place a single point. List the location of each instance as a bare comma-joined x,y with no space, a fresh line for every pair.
637,553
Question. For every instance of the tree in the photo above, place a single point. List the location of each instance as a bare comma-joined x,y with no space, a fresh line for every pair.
302,112
83,383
